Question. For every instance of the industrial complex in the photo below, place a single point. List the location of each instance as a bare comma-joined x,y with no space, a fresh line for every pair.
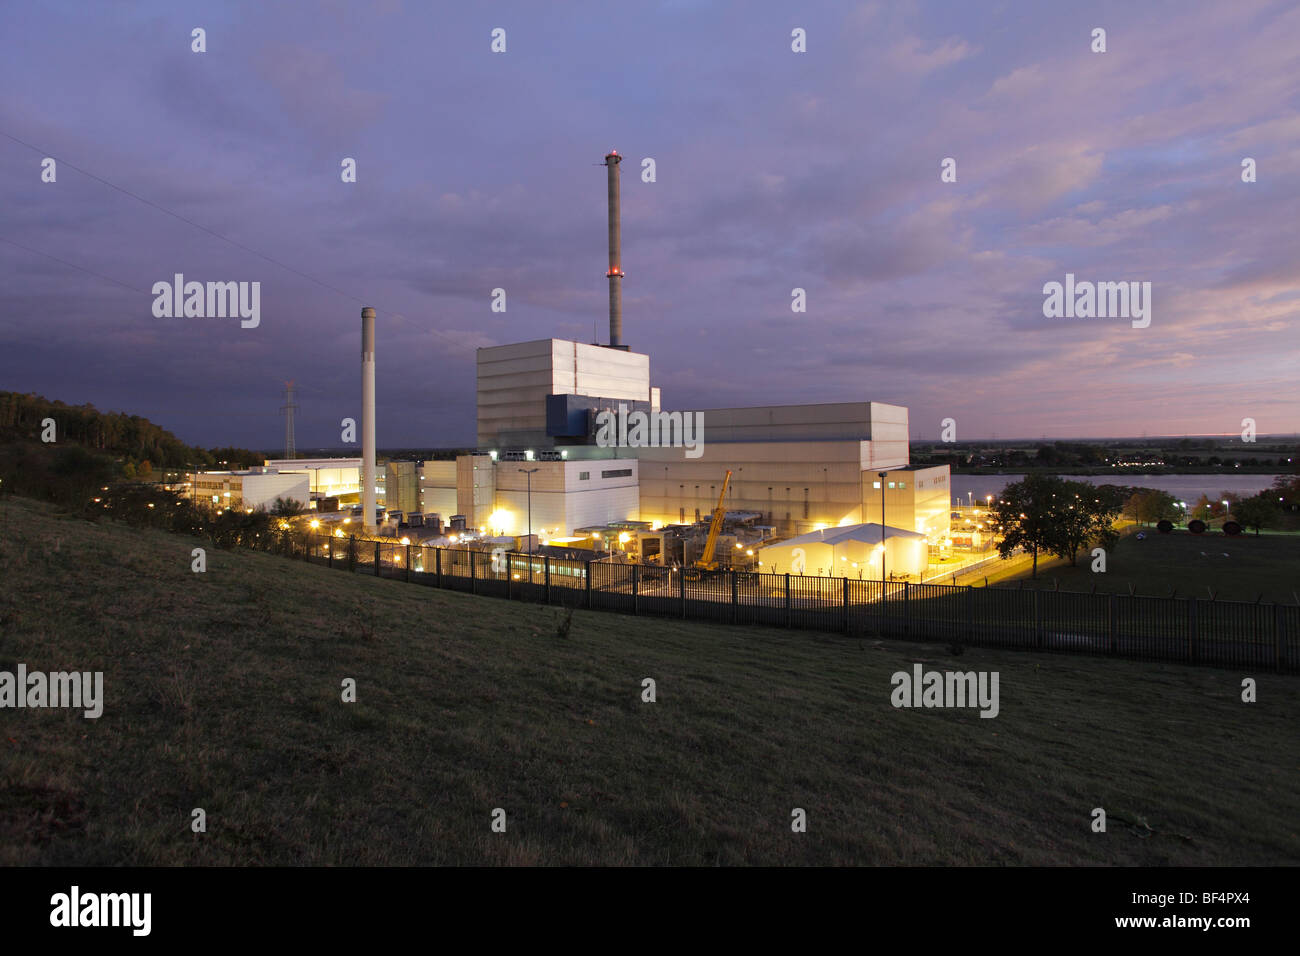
576,450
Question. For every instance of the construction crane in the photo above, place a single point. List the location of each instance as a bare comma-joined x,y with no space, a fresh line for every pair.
706,562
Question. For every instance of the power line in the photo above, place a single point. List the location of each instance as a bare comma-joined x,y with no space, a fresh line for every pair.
73,265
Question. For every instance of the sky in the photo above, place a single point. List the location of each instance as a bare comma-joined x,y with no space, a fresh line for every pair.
774,170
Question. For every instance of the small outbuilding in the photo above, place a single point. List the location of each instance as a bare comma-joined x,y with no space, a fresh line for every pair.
852,551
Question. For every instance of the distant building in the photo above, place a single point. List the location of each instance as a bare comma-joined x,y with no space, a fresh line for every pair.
242,490
327,477
402,487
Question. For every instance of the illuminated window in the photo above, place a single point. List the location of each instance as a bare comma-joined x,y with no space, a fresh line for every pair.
876,485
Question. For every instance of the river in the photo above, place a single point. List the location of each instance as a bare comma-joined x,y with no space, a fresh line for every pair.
1183,487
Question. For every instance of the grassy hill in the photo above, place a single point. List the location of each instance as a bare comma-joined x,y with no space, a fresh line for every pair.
223,692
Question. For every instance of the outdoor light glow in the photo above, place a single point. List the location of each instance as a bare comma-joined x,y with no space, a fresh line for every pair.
406,541
624,538
500,520
452,539
315,523
749,552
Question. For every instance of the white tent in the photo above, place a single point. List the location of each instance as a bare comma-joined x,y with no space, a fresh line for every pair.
852,551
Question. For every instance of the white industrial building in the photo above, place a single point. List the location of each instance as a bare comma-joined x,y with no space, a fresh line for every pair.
852,551
801,467
241,490
326,477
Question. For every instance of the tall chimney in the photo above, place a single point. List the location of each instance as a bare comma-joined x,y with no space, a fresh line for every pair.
615,273
368,419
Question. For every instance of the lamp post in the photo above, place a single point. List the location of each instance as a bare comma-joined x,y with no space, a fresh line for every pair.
529,472
883,534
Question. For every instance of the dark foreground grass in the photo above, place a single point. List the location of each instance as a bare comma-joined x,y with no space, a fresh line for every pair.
223,692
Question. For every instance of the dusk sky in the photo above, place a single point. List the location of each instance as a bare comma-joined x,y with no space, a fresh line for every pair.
775,170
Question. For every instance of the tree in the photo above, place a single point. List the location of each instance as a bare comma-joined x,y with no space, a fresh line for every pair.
1203,509
129,470
145,470
1088,519
287,508
1257,512
1149,506
1026,516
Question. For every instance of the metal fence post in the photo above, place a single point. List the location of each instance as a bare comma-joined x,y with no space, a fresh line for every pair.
437,564
329,558
1112,621
1191,629
907,608
787,599
509,575
408,563
735,598
1038,622
352,553
376,559
473,582
970,612
636,580
846,605
588,585
1278,657
546,572
682,590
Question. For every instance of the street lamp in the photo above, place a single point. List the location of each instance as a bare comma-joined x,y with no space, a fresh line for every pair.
529,472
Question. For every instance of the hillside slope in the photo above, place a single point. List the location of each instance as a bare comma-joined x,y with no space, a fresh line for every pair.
223,692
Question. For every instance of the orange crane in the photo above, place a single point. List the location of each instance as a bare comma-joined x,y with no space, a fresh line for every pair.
706,562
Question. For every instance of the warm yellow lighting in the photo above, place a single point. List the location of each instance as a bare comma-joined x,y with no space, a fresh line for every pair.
315,523
845,522
452,539
820,526
406,541
499,520
624,538
338,533
750,552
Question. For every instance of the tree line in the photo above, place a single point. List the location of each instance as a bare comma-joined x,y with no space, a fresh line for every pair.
114,434
1044,514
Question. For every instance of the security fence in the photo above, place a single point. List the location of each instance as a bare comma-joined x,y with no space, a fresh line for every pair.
1188,630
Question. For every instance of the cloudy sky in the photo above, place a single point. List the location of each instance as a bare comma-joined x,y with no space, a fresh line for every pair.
775,170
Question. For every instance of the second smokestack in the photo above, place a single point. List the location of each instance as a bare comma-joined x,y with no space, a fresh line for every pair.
615,273
368,419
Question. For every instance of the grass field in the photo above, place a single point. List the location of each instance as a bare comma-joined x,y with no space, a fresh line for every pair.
1237,568
223,692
